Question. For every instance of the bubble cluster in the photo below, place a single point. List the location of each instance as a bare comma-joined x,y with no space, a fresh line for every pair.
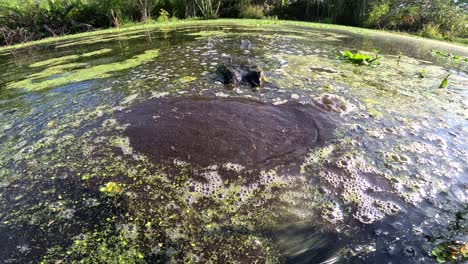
335,103
347,173
233,167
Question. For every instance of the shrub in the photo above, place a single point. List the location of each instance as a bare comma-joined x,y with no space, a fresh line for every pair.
163,16
251,11
377,14
431,31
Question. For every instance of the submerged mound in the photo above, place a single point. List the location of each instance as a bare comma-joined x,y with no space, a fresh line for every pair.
207,131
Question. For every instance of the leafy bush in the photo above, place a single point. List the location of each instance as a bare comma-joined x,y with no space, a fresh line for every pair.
431,31
163,16
377,14
251,11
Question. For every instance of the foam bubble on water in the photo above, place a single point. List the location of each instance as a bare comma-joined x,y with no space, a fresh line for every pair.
237,194
233,167
181,163
346,174
335,103
268,177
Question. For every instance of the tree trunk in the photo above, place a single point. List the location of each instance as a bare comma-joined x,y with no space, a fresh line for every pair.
145,9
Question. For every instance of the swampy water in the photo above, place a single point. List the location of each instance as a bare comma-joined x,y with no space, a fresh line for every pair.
125,147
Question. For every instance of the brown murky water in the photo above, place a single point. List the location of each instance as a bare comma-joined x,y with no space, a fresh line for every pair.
207,131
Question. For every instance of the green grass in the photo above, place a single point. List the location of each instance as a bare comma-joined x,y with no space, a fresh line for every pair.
220,22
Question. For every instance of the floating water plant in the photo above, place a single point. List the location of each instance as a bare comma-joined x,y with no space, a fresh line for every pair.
451,251
423,73
400,56
450,56
186,79
444,82
74,72
359,58
65,59
111,188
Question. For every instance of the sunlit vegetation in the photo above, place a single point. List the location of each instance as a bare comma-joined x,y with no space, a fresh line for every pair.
27,20
423,73
111,188
450,56
360,59
444,83
451,251
65,71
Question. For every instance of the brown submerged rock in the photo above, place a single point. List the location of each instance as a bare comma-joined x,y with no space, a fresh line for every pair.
208,131
230,75
241,75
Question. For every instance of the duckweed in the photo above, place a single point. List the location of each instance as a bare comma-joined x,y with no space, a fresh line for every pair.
66,74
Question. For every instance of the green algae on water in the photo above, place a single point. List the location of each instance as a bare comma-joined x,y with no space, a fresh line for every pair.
78,75
66,59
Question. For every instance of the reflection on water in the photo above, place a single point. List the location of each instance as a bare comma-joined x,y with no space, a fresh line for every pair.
125,147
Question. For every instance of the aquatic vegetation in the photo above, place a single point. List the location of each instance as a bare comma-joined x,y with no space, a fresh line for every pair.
371,107
186,79
450,56
359,58
111,188
207,34
42,80
423,73
444,82
451,251
105,246
65,59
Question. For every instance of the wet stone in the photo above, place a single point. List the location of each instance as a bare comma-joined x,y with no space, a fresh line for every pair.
207,131
230,75
233,75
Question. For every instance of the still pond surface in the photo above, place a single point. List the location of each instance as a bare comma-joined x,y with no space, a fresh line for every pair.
128,148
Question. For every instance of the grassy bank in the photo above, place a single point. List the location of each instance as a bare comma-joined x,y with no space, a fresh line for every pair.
234,22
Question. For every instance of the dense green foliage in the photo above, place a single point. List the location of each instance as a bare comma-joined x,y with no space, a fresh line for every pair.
33,19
